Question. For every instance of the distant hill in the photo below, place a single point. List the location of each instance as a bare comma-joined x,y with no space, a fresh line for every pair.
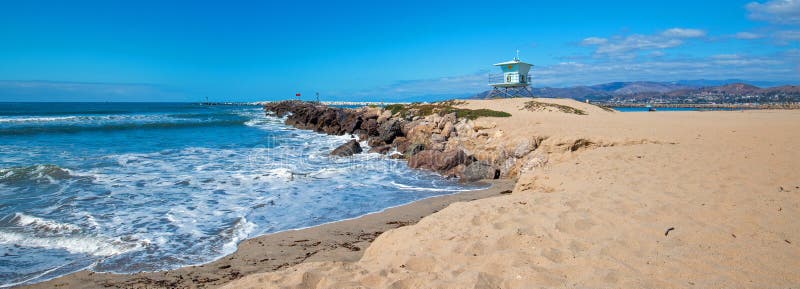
670,92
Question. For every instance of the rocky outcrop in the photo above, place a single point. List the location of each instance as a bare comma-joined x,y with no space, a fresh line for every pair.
348,149
438,142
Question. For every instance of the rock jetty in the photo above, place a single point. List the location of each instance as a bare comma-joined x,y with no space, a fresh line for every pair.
433,137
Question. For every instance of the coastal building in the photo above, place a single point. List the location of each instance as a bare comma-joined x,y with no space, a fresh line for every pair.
514,80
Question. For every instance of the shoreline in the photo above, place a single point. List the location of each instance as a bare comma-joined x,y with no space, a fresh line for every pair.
340,241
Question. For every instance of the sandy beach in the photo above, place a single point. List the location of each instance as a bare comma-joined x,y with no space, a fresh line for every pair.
603,200
607,200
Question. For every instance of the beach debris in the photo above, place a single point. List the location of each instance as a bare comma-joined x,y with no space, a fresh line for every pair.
350,246
670,229
787,241
400,223
579,144
733,235
505,192
348,149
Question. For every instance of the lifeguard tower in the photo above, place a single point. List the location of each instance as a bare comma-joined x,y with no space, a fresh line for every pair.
513,82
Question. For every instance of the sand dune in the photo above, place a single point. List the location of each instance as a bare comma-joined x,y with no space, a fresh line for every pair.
595,209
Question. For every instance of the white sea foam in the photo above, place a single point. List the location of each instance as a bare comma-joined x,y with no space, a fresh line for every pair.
280,173
37,173
413,188
240,231
95,246
36,119
43,224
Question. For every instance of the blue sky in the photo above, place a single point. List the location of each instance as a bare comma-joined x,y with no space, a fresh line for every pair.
378,50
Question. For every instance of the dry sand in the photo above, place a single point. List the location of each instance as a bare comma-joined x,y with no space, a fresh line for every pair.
623,200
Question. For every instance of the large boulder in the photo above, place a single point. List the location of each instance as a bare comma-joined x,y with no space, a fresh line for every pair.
348,149
437,160
371,126
412,149
409,125
384,116
478,171
389,130
380,149
423,159
375,142
448,129
420,133
435,138
451,159
447,118
355,125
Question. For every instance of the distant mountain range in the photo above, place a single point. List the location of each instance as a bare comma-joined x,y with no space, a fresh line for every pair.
686,91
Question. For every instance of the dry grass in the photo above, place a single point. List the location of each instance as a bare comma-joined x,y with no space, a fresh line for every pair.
442,108
543,106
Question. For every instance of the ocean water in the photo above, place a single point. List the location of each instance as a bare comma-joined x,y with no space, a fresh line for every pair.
130,187
644,109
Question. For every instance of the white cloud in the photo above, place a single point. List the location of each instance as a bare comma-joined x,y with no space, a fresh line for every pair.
627,46
726,56
775,11
771,68
786,36
747,35
792,53
594,41
638,42
683,33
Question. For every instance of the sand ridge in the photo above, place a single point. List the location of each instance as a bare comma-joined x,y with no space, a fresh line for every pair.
594,205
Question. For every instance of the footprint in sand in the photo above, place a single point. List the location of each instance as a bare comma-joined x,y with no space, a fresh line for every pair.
568,224
553,254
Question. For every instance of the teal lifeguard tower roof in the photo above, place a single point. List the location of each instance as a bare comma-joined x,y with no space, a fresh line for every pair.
515,66
513,81
515,73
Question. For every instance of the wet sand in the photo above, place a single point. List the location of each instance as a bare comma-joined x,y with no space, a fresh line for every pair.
343,241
